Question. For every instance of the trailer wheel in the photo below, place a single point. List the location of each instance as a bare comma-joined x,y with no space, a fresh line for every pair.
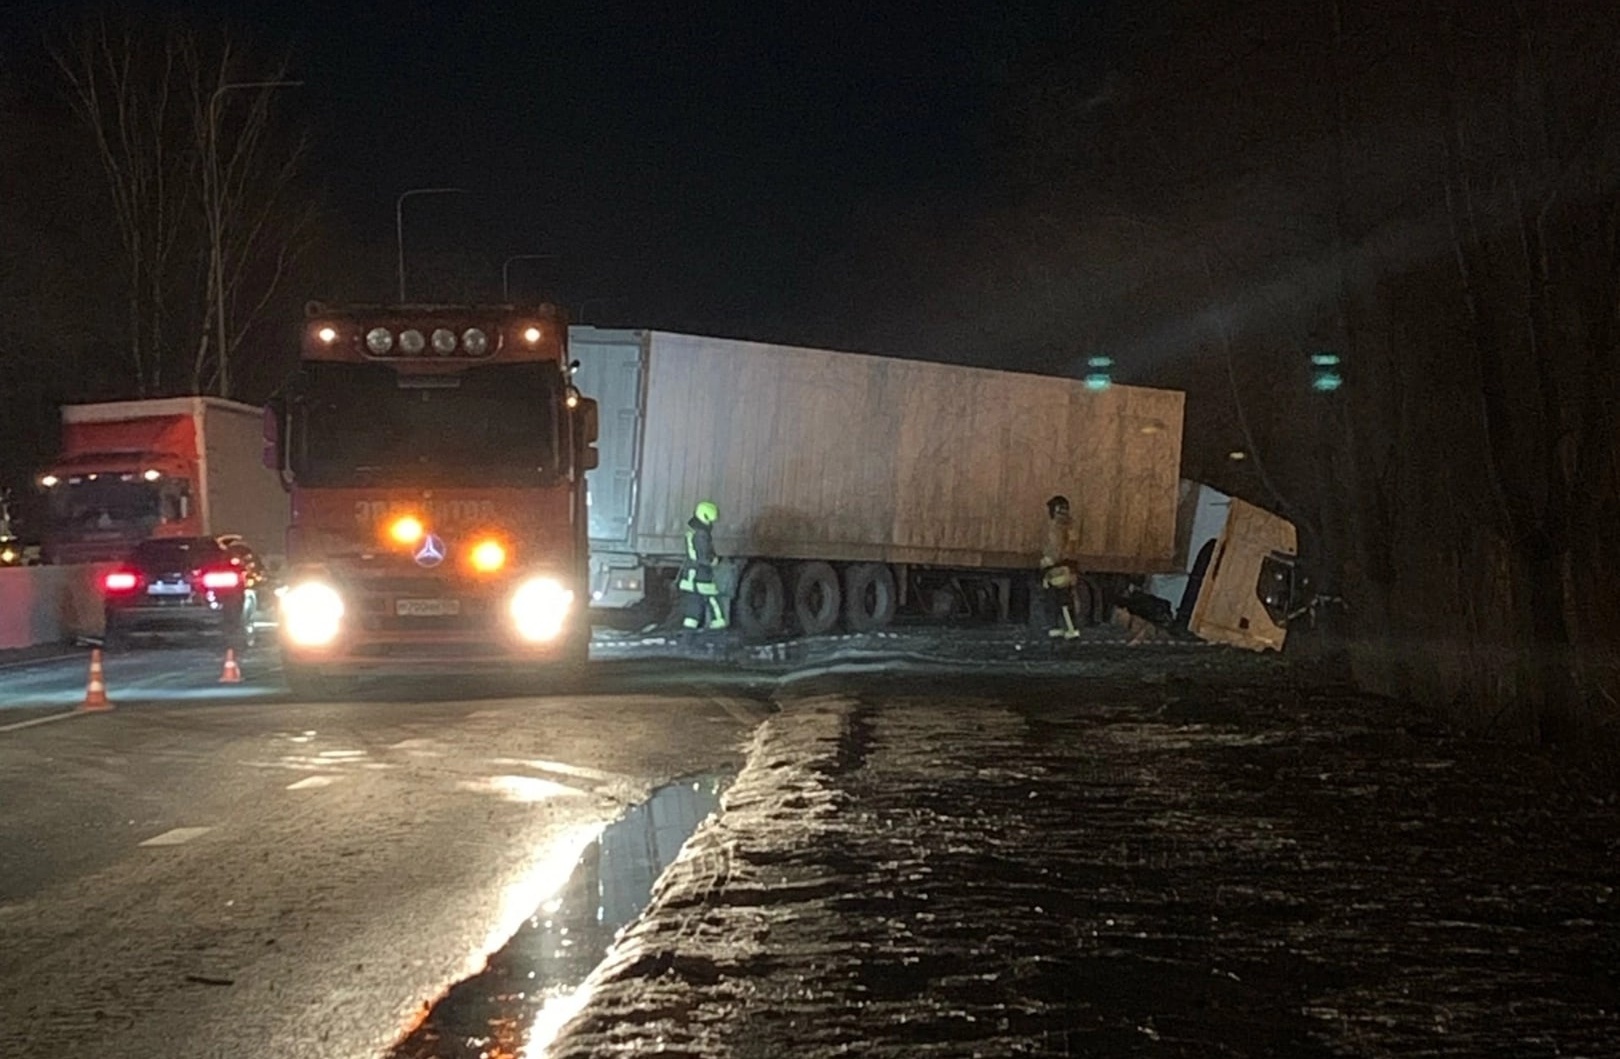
761,600
869,597
817,598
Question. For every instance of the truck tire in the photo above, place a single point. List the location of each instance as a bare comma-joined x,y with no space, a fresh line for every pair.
817,598
869,597
760,602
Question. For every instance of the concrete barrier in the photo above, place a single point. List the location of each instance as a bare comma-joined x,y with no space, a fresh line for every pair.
49,604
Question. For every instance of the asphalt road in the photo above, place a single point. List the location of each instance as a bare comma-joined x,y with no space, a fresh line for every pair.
923,846
219,870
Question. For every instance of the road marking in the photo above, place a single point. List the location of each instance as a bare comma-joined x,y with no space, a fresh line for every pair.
410,744
176,837
313,781
47,719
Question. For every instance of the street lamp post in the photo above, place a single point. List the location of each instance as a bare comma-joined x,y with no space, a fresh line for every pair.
399,225
506,293
216,220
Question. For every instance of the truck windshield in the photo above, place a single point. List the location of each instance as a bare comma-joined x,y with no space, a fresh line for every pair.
88,506
355,424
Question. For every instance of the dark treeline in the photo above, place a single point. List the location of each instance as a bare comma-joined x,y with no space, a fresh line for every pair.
1428,190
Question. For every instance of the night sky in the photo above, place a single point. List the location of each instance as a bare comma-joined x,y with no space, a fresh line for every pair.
705,166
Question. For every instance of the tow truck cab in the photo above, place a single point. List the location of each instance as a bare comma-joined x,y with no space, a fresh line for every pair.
436,458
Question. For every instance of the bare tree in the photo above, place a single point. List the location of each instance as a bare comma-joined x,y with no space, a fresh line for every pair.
121,84
201,194
247,179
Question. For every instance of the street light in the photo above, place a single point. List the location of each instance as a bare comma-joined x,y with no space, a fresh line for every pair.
505,286
399,225
216,223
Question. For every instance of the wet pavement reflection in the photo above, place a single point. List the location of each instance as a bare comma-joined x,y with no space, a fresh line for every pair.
531,986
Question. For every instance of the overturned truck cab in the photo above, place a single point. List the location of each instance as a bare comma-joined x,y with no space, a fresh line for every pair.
436,458
1240,582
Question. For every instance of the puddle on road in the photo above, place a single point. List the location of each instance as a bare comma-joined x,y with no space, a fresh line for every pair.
530,988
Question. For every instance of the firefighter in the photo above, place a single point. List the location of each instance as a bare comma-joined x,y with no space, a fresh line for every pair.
1057,570
700,598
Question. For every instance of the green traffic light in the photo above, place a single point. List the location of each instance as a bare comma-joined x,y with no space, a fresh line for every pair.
1327,382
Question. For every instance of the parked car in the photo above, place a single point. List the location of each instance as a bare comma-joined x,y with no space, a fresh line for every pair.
208,586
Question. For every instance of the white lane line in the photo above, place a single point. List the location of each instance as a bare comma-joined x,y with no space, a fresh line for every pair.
47,719
176,837
313,781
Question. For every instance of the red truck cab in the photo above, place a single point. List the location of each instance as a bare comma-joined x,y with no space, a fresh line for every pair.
436,460
126,472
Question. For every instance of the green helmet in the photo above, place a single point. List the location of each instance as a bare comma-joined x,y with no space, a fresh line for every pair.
707,513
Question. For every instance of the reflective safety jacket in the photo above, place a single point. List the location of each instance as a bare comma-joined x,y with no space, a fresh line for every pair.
697,573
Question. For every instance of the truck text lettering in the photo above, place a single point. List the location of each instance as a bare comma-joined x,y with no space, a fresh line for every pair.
441,512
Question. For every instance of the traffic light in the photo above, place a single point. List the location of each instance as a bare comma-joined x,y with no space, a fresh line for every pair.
1099,373
1326,376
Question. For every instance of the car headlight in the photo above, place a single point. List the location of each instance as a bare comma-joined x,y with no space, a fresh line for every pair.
412,342
311,614
539,608
379,340
444,341
475,341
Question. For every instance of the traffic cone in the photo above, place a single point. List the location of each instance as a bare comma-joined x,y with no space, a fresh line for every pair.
95,692
232,674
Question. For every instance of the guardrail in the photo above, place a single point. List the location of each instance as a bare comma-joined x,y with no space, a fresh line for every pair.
49,604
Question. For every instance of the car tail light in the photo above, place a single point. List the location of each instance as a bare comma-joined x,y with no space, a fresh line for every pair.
217,579
120,581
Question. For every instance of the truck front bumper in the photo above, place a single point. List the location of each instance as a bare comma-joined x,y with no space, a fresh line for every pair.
416,622
429,656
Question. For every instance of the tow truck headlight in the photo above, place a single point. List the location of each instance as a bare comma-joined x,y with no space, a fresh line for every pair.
379,340
311,614
475,342
412,342
444,341
539,608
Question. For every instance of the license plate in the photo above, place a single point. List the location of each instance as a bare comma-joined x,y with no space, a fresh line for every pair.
164,588
426,608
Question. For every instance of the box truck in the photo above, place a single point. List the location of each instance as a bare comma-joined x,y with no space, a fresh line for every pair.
165,467
855,488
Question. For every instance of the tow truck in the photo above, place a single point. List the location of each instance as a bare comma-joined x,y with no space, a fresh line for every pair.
436,458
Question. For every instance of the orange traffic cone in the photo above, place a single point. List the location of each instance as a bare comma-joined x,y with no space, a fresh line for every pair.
95,693
232,674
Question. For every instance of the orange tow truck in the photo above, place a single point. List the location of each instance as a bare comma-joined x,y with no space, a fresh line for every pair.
436,459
